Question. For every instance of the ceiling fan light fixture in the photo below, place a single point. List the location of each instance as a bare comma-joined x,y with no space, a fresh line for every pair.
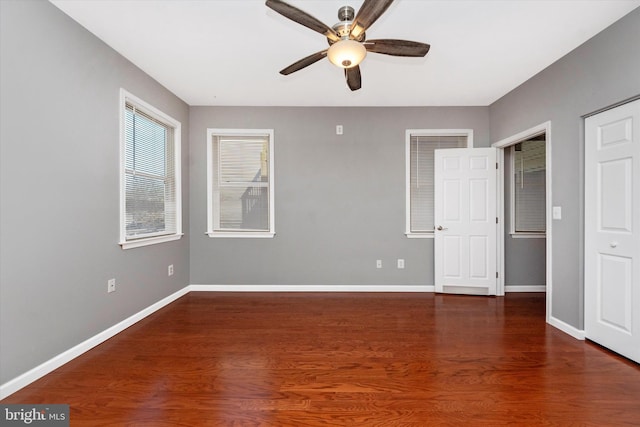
347,38
346,53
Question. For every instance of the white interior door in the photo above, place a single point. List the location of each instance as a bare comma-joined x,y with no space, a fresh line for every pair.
465,221
612,229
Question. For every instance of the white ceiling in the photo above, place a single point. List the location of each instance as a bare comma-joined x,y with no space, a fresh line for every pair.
229,52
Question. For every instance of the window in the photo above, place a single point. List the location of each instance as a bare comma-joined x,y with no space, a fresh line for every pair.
150,202
420,145
528,187
240,183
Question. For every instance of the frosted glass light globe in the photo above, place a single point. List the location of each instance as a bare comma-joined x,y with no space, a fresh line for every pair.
346,53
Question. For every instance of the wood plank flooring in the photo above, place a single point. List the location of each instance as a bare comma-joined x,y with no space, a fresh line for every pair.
345,359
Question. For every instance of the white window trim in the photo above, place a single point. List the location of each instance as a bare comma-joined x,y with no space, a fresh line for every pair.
125,97
210,202
512,204
424,132
527,235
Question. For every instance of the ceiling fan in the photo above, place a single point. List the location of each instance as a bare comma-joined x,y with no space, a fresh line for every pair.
347,40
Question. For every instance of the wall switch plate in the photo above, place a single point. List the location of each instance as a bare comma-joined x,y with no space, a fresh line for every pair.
111,285
557,212
400,263
379,263
339,130
170,270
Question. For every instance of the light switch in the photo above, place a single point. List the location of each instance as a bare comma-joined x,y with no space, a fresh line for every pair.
557,212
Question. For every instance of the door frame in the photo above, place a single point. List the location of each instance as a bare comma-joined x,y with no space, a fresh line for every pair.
501,146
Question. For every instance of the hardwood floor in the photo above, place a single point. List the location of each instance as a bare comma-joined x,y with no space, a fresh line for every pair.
318,359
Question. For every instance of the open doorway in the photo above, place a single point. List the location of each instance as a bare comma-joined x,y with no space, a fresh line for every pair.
524,213
524,210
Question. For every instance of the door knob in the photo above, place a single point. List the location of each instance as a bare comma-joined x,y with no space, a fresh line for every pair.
440,228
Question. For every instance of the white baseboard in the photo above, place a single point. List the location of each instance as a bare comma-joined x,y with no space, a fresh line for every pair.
43,369
525,288
310,288
566,328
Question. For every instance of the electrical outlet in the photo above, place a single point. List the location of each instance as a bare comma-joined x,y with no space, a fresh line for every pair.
400,263
111,285
339,130
379,263
170,270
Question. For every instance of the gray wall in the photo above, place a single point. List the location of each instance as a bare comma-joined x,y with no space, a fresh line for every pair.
340,200
59,186
601,72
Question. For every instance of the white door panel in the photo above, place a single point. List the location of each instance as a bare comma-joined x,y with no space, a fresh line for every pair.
465,218
612,229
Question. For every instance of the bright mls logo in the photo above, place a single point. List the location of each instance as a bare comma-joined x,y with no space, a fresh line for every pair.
35,415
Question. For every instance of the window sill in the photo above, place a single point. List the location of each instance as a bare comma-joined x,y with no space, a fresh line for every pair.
241,234
528,235
419,235
130,244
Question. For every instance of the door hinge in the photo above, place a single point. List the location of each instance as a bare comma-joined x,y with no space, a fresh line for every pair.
496,165
496,220
496,274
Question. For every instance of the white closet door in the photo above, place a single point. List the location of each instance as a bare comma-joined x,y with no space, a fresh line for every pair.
612,229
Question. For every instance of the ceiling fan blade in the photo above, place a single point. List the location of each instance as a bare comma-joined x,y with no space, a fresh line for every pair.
369,13
397,47
302,18
354,80
304,62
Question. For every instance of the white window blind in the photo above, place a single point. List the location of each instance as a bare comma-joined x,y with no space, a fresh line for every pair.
150,184
421,175
241,187
529,186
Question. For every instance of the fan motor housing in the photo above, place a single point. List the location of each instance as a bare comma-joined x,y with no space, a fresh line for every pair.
343,28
